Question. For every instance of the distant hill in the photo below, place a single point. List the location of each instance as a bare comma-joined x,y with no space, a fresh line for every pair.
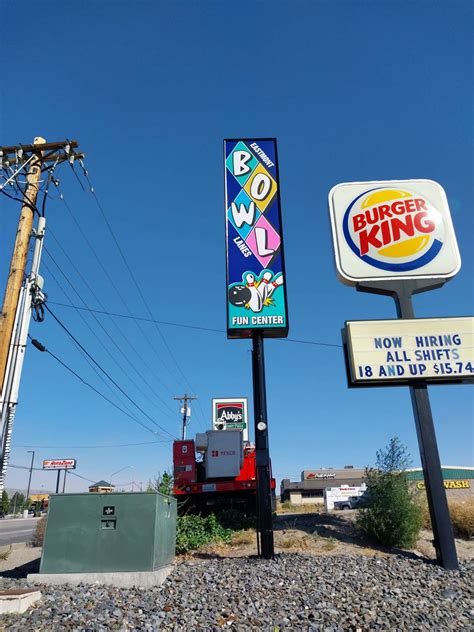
13,490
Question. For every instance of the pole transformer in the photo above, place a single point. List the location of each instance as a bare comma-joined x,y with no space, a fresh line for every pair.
186,411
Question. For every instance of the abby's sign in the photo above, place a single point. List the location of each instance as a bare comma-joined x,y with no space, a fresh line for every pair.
256,292
231,414
397,229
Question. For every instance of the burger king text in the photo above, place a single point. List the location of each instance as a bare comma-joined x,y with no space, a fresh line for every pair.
381,225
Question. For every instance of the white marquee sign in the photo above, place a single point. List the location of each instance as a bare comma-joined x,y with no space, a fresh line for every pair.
434,349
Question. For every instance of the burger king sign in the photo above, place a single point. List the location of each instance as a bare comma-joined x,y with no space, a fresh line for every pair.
397,229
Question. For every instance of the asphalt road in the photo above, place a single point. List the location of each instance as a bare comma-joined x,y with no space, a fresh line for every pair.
16,530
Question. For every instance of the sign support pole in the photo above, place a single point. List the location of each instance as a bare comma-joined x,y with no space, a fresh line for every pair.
57,481
264,494
402,292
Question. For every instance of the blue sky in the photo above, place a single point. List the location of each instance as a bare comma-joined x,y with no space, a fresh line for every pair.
352,91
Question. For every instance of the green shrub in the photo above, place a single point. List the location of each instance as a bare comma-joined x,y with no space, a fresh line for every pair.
236,520
394,517
4,503
194,532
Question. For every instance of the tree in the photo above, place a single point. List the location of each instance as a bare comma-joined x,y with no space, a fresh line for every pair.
4,503
394,458
17,503
162,483
393,517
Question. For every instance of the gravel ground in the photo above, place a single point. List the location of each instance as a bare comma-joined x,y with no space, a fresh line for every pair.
293,592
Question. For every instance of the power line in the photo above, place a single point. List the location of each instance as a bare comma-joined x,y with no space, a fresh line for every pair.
68,368
107,334
93,367
89,480
111,281
69,333
132,276
99,340
309,342
26,467
88,447
87,324
139,318
116,289
122,334
187,326
71,285
40,469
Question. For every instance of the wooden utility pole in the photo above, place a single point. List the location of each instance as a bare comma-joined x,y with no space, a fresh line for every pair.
40,153
19,257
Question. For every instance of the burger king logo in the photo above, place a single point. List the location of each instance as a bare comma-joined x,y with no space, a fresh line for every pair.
393,229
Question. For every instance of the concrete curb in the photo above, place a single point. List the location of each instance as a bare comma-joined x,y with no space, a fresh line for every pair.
18,600
125,579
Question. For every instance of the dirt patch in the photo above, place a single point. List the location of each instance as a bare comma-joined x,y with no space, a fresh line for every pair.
20,562
323,534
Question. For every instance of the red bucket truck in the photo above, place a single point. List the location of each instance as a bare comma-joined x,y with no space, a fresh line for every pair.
215,471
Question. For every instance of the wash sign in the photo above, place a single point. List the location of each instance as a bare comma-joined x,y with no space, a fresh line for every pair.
256,283
400,351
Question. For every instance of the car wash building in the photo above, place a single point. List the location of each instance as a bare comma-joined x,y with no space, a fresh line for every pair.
310,490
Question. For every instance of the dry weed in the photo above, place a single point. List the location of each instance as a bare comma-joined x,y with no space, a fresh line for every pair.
426,549
295,541
38,536
288,507
329,545
462,517
246,536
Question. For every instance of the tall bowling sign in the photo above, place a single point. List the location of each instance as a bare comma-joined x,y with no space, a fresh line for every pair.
256,291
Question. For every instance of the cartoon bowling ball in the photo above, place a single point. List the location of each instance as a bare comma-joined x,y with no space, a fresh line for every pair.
239,295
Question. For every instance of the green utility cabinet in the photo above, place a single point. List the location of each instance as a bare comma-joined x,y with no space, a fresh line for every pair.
100,533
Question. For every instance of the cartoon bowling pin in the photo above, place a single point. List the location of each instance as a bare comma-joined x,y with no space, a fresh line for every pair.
264,286
274,284
255,303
